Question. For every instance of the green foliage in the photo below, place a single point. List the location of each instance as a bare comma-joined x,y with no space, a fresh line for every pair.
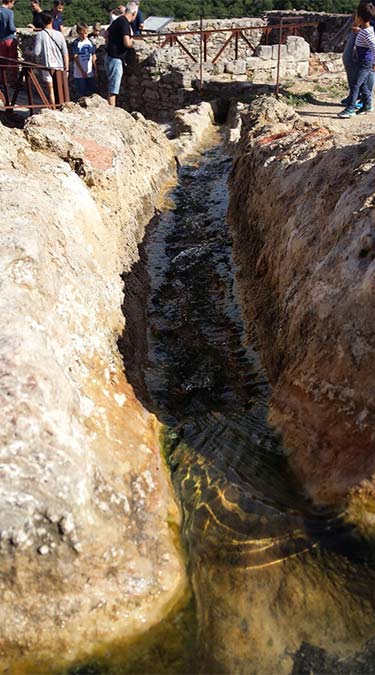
91,10
296,100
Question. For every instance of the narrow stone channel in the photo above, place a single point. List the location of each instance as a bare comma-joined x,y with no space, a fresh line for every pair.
280,587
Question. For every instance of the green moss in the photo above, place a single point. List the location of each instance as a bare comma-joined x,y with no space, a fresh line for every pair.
296,100
169,439
333,89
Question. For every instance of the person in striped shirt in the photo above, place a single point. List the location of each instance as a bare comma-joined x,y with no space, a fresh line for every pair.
364,57
352,28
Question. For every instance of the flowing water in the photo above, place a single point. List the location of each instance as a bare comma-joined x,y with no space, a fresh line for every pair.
280,587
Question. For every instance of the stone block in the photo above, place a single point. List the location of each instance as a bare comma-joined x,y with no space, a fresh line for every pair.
264,52
299,47
303,68
147,84
290,57
237,67
254,62
291,44
133,81
218,68
151,95
273,75
275,52
291,71
263,75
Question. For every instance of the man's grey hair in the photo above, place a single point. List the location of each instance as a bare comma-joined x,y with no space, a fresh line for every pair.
131,8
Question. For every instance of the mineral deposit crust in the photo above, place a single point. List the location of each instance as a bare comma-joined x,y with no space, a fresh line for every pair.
302,217
87,553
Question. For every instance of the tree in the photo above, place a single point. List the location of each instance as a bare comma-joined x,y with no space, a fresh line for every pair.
91,10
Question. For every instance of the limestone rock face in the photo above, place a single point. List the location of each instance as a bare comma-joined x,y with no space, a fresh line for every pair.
302,217
192,125
86,554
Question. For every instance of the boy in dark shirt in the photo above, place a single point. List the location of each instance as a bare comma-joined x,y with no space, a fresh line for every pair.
36,9
57,12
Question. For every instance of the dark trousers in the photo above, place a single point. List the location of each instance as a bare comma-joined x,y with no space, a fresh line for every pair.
351,65
360,85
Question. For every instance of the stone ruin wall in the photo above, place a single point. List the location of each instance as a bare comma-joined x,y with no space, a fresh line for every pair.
329,36
167,79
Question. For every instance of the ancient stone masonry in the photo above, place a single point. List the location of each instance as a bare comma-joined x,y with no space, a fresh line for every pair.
167,79
217,40
302,217
329,36
87,554
294,60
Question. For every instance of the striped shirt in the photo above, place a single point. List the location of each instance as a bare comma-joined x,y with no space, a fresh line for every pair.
365,44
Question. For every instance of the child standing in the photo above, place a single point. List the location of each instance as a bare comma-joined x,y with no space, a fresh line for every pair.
96,30
364,59
84,61
57,12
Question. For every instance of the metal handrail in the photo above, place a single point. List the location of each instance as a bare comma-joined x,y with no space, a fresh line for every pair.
289,24
27,68
27,75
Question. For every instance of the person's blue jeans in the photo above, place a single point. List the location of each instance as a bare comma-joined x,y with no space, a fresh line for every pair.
351,66
114,70
371,81
347,57
360,85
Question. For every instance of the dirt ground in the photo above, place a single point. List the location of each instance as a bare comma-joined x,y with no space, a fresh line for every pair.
317,99
326,115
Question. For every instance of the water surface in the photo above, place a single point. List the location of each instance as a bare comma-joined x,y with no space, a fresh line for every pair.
280,586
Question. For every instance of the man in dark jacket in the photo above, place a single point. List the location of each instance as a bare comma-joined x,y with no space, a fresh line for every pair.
119,40
137,24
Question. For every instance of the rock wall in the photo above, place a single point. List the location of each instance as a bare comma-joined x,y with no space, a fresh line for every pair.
301,213
167,79
328,36
294,60
88,553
